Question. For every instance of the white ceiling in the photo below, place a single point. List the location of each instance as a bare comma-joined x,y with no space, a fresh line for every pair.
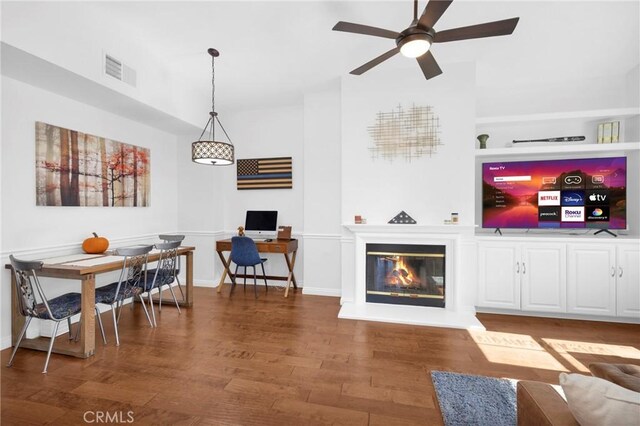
273,52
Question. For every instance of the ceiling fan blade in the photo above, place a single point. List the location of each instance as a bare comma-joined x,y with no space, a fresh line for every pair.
429,65
432,12
366,67
488,29
349,27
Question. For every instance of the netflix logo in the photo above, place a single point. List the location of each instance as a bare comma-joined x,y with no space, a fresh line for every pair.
549,198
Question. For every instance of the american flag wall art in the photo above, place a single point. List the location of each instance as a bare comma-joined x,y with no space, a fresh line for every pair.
265,173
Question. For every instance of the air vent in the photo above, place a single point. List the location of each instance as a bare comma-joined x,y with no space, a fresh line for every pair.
113,67
116,69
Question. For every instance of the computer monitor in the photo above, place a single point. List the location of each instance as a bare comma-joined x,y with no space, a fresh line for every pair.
261,223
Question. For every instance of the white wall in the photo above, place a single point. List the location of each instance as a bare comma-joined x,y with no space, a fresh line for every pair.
30,231
428,188
211,205
322,189
201,204
78,36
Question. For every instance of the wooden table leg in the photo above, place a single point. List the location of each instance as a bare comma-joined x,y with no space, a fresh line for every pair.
226,271
291,277
189,287
88,323
17,320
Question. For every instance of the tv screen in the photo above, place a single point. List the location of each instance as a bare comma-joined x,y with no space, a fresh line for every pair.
261,220
578,193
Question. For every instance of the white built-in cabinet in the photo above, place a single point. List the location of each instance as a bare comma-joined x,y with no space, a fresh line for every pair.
592,279
499,276
628,281
531,277
544,277
586,278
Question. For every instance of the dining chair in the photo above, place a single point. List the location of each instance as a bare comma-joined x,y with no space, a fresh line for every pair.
163,275
245,253
33,303
129,285
170,238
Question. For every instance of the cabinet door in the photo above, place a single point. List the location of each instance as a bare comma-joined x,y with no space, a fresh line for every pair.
628,281
498,275
543,273
591,282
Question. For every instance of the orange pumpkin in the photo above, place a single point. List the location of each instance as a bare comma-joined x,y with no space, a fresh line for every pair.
95,244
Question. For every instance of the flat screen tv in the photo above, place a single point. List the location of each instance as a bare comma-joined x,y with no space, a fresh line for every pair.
576,193
261,222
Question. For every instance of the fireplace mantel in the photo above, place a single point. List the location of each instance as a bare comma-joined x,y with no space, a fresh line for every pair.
387,228
458,312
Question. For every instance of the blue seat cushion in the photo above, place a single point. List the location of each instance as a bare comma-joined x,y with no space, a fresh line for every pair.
164,278
107,294
61,307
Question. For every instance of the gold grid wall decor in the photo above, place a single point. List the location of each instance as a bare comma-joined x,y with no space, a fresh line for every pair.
405,134
265,173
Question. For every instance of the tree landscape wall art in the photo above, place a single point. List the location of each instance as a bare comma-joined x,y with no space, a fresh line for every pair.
78,169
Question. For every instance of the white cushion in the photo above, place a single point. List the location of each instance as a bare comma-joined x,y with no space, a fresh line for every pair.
595,402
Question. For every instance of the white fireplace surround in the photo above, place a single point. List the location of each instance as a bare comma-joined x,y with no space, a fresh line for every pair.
458,312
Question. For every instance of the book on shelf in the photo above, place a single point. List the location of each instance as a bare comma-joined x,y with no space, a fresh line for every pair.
615,132
600,133
606,133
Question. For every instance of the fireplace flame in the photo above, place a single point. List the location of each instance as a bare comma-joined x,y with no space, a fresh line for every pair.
402,274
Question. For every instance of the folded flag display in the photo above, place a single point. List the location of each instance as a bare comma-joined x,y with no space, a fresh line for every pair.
265,173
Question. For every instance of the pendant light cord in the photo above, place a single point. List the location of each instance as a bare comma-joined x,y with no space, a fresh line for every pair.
213,114
213,96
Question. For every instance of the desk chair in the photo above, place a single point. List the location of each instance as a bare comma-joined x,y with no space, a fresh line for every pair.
163,275
33,303
170,238
130,284
245,253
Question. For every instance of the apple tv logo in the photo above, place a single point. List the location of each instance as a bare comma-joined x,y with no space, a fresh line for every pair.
597,197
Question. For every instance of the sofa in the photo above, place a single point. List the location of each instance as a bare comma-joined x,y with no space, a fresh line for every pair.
540,404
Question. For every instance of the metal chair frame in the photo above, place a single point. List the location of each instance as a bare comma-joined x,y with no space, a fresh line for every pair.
171,238
165,275
132,276
26,279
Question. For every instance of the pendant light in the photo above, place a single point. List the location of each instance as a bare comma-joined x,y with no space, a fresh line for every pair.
210,151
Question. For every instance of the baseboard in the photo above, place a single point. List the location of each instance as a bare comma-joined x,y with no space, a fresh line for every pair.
213,284
567,316
320,291
5,342
204,283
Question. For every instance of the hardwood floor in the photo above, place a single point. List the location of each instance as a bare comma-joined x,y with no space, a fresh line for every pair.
290,361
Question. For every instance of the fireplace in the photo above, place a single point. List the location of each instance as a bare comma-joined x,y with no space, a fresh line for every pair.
406,274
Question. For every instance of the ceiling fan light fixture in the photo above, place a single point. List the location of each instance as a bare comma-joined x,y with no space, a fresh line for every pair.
414,45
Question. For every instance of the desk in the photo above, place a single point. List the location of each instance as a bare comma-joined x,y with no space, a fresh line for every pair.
285,247
86,274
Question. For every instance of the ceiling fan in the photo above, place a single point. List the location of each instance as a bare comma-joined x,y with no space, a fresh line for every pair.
416,40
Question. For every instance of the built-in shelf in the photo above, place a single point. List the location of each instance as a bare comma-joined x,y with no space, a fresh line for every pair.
569,115
558,149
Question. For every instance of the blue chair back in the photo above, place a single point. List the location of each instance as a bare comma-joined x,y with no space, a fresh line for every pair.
244,252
